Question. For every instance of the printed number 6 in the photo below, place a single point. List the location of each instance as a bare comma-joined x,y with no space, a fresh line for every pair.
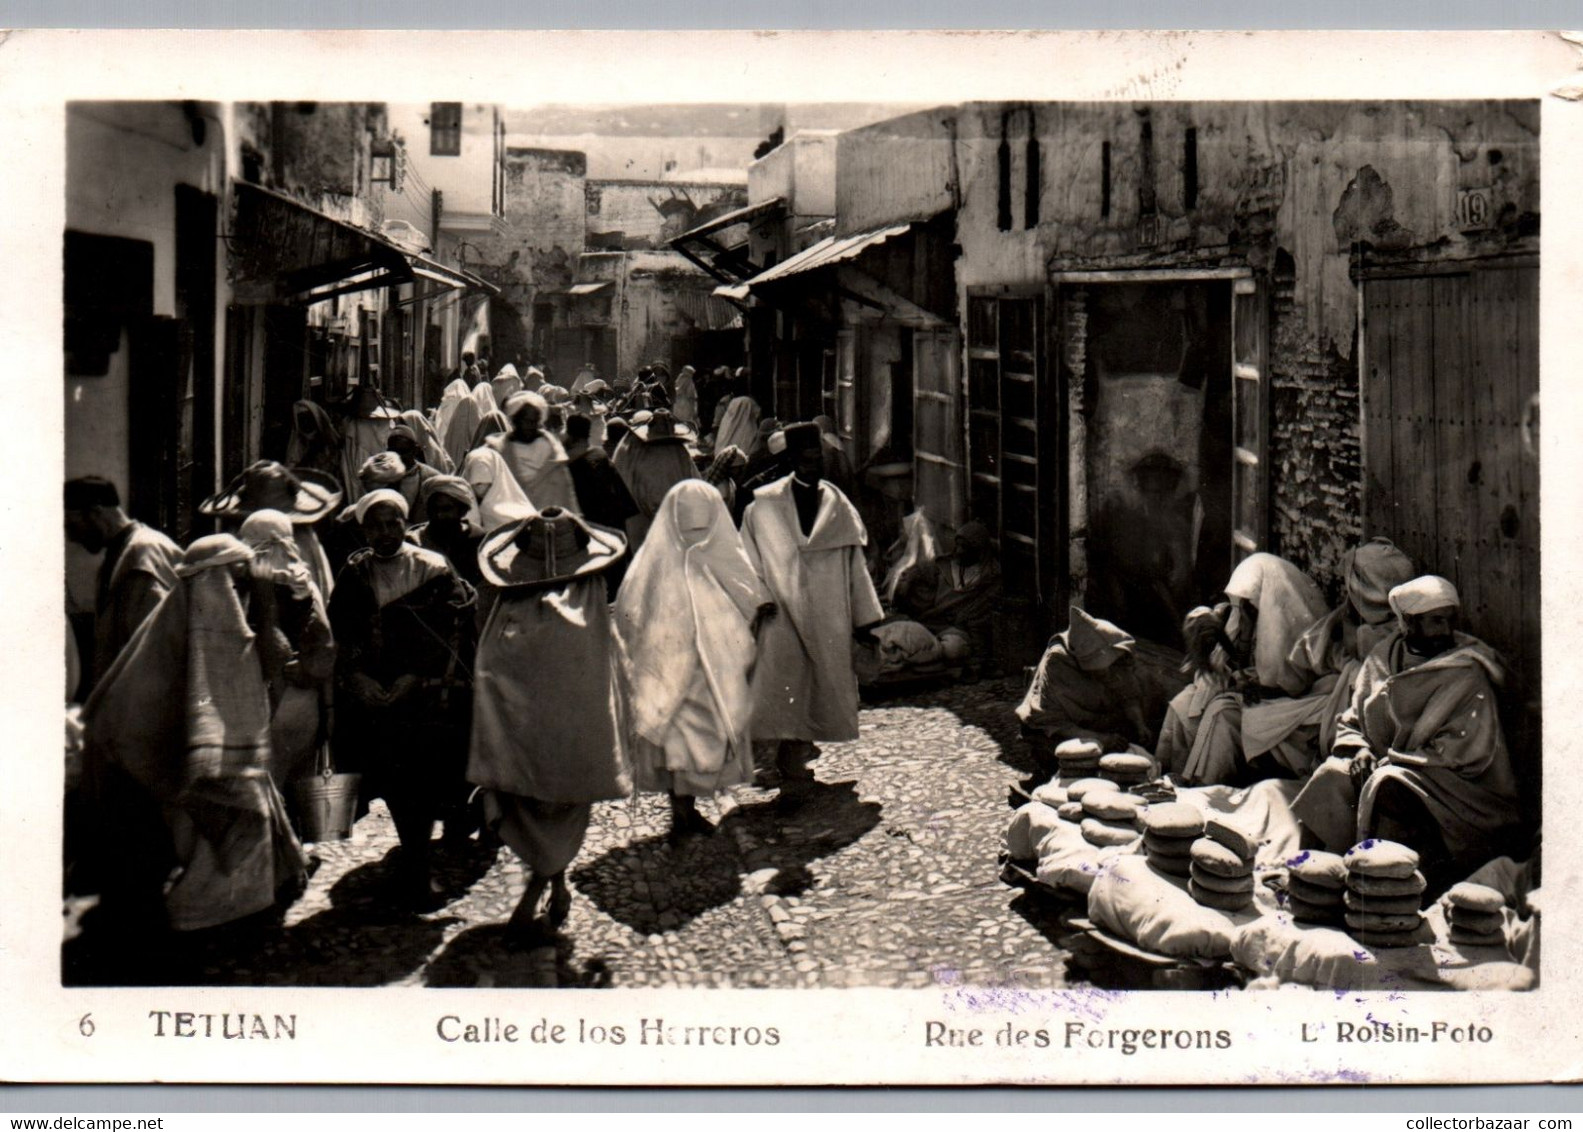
85,1025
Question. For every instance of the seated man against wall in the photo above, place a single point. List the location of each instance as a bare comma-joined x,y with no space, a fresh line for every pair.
1329,654
1240,653
955,597
1419,755
1088,686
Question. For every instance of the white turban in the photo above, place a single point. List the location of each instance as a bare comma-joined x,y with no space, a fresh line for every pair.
211,551
1421,595
375,498
382,467
517,400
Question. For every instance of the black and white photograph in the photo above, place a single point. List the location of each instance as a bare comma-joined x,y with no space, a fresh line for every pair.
1038,553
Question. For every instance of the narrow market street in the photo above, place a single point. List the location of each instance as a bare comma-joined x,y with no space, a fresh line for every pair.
887,878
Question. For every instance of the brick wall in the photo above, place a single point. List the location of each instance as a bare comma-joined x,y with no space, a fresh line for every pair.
1074,361
1315,456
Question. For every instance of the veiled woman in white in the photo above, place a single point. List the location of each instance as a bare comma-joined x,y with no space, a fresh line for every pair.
686,618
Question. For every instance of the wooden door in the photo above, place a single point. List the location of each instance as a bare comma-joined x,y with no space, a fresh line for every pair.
1250,416
1450,380
846,405
939,467
160,419
1012,478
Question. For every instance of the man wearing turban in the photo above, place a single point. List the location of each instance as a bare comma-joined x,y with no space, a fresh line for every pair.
1419,755
450,524
404,630
534,457
404,442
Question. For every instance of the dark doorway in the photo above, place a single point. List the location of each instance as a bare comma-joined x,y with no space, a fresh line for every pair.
1159,453
197,253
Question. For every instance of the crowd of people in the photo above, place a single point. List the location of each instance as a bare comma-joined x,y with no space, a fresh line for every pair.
497,613
531,598
1388,716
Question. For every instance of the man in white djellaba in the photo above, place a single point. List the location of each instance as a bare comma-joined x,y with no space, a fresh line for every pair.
805,539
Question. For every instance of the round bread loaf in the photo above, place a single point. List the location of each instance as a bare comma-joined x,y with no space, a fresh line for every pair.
1111,805
1078,751
1178,848
1175,819
1124,766
1222,901
1179,867
1075,791
1387,886
1383,940
1221,884
1312,913
1475,897
1381,905
1376,858
1319,869
1232,836
1213,857
1051,794
1071,811
1105,835
1299,889
1479,923
1468,938
1374,922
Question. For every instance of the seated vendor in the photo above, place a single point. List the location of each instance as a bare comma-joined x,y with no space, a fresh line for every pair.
1328,655
1419,756
1239,654
1087,687
955,597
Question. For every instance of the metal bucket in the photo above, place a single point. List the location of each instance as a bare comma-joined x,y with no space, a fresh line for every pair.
327,805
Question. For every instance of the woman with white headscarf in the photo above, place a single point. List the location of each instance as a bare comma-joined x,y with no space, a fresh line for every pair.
1272,603
450,400
465,419
177,735
299,646
685,404
686,619
739,427
505,383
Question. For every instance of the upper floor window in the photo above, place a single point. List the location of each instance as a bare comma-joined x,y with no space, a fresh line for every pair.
445,129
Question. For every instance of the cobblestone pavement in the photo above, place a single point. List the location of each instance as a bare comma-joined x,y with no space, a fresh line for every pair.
886,877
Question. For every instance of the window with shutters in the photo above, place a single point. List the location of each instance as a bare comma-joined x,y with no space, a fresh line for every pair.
445,129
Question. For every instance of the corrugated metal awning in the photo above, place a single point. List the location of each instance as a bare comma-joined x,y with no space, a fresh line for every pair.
457,277
285,250
707,312
736,216
736,292
827,253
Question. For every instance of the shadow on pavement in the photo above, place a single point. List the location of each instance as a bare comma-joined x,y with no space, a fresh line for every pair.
830,818
652,886
365,937
479,957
